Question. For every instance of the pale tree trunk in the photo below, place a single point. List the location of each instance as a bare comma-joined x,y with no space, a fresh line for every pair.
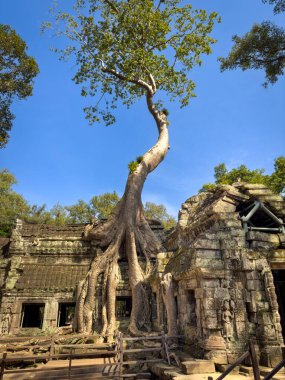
128,225
170,304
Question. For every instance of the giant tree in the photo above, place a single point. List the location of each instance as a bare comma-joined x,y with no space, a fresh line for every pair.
126,50
17,71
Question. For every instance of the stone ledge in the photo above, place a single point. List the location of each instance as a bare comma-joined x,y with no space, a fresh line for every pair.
198,366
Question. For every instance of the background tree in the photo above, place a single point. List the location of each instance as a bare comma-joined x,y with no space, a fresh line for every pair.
126,50
17,71
159,212
79,213
263,47
103,205
12,205
275,181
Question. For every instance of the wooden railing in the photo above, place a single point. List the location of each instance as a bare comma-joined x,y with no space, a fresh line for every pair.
51,344
256,373
249,353
118,350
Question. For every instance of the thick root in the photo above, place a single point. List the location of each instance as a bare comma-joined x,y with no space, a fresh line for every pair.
134,233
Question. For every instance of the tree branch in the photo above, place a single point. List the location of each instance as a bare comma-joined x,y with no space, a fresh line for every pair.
111,5
120,76
153,84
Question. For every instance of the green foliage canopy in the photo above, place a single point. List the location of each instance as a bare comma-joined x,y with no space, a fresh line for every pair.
275,181
279,5
263,47
17,71
159,212
103,205
123,46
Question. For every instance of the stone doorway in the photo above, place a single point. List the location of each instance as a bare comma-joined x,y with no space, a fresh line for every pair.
123,307
32,315
279,282
65,314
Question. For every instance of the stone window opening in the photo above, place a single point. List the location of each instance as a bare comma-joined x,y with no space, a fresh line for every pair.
256,216
65,314
32,315
123,307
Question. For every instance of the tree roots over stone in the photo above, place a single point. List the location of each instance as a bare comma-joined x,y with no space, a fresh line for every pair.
127,228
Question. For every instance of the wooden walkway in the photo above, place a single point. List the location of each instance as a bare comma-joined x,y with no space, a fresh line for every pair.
82,361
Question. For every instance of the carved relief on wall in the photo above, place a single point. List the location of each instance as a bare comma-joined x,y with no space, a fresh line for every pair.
227,319
6,321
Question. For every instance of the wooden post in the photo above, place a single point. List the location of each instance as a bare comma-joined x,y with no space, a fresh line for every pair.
121,355
70,360
166,349
51,349
254,361
3,365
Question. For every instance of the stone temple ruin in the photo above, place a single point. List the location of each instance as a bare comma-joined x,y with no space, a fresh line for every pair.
226,258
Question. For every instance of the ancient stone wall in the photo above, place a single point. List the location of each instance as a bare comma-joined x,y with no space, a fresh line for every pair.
225,287
43,265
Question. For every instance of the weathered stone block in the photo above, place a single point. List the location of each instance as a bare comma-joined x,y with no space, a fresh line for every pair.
210,323
199,293
209,292
270,356
209,303
263,245
198,366
221,293
254,285
211,283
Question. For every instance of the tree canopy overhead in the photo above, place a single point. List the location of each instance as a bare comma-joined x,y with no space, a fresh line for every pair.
17,71
125,48
263,47
279,5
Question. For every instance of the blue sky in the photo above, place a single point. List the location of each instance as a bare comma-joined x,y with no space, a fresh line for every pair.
57,157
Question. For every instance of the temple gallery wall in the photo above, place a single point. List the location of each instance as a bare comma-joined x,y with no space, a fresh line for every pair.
224,264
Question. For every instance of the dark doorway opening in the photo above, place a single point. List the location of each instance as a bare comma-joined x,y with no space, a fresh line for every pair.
65,314
192,318
32,315
279,282
123,307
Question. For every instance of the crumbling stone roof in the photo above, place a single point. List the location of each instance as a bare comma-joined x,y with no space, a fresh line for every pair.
61,277
209,219
260,192
51,230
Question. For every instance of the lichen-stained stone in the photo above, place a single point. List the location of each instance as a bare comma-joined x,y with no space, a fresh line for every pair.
234,290
254,285
263,236
211,283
